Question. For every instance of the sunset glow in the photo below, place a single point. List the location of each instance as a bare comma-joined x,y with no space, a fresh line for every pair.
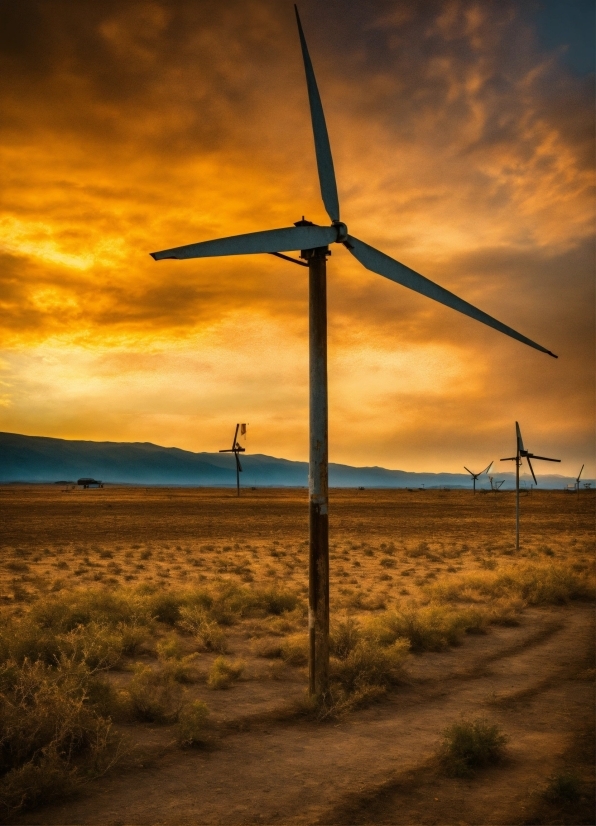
463,147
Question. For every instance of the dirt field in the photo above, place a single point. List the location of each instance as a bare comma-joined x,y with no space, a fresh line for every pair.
525,662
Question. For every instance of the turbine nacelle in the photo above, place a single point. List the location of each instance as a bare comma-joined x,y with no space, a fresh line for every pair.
342,232
339,226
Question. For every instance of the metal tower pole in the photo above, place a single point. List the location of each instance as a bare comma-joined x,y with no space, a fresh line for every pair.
318,593
517,464
237,475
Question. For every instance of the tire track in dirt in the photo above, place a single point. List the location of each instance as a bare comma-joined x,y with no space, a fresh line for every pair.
305,773
550,731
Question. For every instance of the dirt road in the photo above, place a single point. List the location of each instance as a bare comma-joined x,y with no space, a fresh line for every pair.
535,681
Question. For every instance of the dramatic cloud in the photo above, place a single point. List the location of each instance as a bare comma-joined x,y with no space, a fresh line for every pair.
463,145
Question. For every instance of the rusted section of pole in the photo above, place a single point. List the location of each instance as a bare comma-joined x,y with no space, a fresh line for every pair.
318,594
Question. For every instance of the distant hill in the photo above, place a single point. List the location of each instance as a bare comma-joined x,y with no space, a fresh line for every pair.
42,459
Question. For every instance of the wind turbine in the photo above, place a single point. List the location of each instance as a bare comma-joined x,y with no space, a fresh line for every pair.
521,454
495,484
578,478
313,242
476,475
236,449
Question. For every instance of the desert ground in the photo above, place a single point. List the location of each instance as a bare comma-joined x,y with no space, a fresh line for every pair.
171,622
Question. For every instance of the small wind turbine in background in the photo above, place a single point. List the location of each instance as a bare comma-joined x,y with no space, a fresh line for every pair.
476,475
522,453
495,484
236,449
578,478
313,242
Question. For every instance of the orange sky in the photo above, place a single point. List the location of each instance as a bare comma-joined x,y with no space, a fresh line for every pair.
463,147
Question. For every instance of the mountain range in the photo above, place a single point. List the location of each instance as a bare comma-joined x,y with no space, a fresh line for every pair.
39,459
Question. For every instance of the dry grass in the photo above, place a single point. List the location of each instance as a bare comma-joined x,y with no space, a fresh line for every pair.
106,623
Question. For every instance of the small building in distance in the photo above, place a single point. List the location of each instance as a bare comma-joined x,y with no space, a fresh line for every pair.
87,482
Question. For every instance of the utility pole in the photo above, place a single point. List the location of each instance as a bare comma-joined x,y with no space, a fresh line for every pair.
517,466
318,483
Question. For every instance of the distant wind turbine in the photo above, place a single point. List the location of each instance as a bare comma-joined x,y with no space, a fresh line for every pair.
495,484
578,478
236,449
522,453
313,242
476,475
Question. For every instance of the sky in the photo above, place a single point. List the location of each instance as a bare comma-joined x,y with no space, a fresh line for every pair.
463,142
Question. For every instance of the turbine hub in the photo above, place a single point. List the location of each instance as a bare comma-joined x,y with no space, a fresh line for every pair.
342,231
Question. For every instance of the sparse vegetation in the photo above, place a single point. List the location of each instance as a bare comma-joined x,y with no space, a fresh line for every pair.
155,696
192,727
547,583
144,653
224,673
471,745
55,730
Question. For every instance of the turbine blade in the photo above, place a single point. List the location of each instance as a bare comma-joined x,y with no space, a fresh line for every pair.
532,470
509,459
520,443
382,264
235,437
487,469
544,458
271,240
238,462
319,128
469,471
579,474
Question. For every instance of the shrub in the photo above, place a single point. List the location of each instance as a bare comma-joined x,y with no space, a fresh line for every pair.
155,696
183,669
100,645
344,638
432,628
169,647
369,665
471,745
223,673
563,788
165,606
268,648
294,649
195,620
192,724
64,612
536,584
53,731
231,602
274,601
